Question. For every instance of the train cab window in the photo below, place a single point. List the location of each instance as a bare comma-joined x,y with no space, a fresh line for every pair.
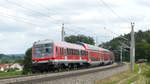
43,50
47,50
47,45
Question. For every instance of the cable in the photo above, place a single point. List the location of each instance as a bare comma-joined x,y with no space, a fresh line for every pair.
20,20
81,28
116,34
106,5
110,9
41,5
29,9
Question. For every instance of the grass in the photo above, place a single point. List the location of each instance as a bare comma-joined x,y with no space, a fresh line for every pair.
115,78
8,74
126,77
146,72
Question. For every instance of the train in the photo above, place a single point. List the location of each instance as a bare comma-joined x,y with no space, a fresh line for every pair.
48,55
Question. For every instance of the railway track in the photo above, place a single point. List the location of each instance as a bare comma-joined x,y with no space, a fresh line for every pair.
36,78
2,78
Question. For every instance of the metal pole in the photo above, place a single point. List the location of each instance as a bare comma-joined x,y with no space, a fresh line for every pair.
121,54
132,48
96,41
62,33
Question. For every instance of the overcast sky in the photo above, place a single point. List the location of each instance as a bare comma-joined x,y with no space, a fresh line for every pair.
23,22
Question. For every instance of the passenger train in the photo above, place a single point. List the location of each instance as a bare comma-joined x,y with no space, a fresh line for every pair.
50,55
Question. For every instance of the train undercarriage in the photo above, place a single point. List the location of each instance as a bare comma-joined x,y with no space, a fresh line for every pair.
58,67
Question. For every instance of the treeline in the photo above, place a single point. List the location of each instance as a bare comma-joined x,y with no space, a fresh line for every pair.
80,38
6,59
142,45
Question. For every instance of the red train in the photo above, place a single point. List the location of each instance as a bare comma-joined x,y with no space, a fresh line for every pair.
49,55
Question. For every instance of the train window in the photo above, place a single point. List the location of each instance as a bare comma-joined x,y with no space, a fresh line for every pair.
77,52
83,53
72,51
56,50
86,53
43,50
67,51
47,45
60,51
47,50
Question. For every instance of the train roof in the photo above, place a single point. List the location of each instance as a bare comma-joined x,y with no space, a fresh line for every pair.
91,47
42,42
61,44
69,45
81,46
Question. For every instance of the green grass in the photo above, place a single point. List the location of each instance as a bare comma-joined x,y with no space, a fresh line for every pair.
136,68
137,78
7,74
129,81
146,72
120,76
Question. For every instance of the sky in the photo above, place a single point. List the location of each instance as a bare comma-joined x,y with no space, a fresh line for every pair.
22,22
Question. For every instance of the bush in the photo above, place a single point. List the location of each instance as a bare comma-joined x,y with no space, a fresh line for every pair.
27,62
12,69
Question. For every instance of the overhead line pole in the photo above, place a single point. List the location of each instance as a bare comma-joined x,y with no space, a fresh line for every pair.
132,48
62,33
121,54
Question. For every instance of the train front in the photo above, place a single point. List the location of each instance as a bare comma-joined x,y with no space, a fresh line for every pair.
42,56
42,52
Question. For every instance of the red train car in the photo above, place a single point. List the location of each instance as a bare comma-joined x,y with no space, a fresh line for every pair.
48,55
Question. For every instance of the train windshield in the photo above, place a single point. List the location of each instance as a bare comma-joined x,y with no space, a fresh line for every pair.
41,50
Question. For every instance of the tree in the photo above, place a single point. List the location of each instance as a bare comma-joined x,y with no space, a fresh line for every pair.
142,50
142,42
80,38
27,62
19,60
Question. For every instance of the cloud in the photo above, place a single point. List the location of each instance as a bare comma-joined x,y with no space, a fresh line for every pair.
24,21
145,3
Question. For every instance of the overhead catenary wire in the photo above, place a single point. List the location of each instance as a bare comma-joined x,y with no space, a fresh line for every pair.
20,20
32,10
44,7
121,18
116,34
28,8
114,12
105,20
